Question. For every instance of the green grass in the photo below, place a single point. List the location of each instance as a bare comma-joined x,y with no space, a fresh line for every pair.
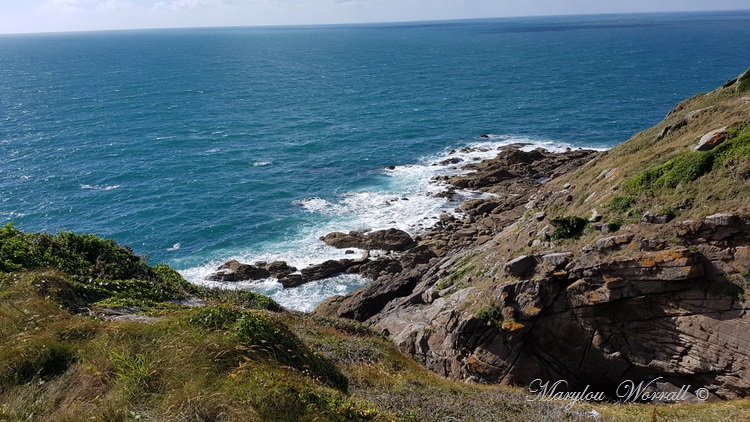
685,167
688,166
622,203
744,82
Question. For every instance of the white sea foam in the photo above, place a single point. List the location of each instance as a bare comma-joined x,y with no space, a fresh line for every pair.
12,214
261,163
99,187
407,201
175,247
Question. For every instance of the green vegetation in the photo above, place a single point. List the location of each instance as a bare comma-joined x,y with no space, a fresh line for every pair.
685,167
744,82
688,166
490,314
568,227
622,203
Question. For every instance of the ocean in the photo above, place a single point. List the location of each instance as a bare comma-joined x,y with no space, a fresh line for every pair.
196,146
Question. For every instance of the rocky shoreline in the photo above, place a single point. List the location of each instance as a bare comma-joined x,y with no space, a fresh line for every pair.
510,177
626,306
590,267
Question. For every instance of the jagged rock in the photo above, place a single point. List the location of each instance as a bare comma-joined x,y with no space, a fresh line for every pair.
557,260
639,318
325,269
480,206
452,160
370,300
233,271
520,266
609,243
652,218
595,216
717,227
389,240
651,245
374,269
722,220
292,280
712,139
280,269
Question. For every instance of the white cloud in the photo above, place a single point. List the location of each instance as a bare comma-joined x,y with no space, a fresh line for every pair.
78,5
178,5
116,5
65,5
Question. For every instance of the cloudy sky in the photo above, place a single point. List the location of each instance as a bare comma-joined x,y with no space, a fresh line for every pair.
17,16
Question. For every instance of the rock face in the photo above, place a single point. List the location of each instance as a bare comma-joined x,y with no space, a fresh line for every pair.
619,311
388,240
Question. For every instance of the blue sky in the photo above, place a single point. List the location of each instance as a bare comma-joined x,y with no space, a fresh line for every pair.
19,16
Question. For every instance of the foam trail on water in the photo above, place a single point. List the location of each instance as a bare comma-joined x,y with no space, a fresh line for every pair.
99,187
407,201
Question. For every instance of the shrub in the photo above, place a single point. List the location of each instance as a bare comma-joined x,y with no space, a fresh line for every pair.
621,203
83,255
266,336
490,314
568,227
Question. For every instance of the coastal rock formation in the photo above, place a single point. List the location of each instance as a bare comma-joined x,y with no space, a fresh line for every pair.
288,276
602,319
236,271
594,268
387,240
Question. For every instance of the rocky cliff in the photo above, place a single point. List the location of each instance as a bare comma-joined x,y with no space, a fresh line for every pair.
595,268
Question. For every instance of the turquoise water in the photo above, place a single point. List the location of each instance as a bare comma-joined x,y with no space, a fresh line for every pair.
199,145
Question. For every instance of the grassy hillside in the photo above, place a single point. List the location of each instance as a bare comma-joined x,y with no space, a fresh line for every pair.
88,331
659,170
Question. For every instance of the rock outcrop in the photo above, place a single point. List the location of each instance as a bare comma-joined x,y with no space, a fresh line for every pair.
599,320
387,240
234,270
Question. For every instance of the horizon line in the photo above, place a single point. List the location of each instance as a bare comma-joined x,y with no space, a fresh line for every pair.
376,23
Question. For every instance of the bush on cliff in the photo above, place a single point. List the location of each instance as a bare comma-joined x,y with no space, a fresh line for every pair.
568,227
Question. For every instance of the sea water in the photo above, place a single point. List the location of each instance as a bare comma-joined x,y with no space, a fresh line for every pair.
196,146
